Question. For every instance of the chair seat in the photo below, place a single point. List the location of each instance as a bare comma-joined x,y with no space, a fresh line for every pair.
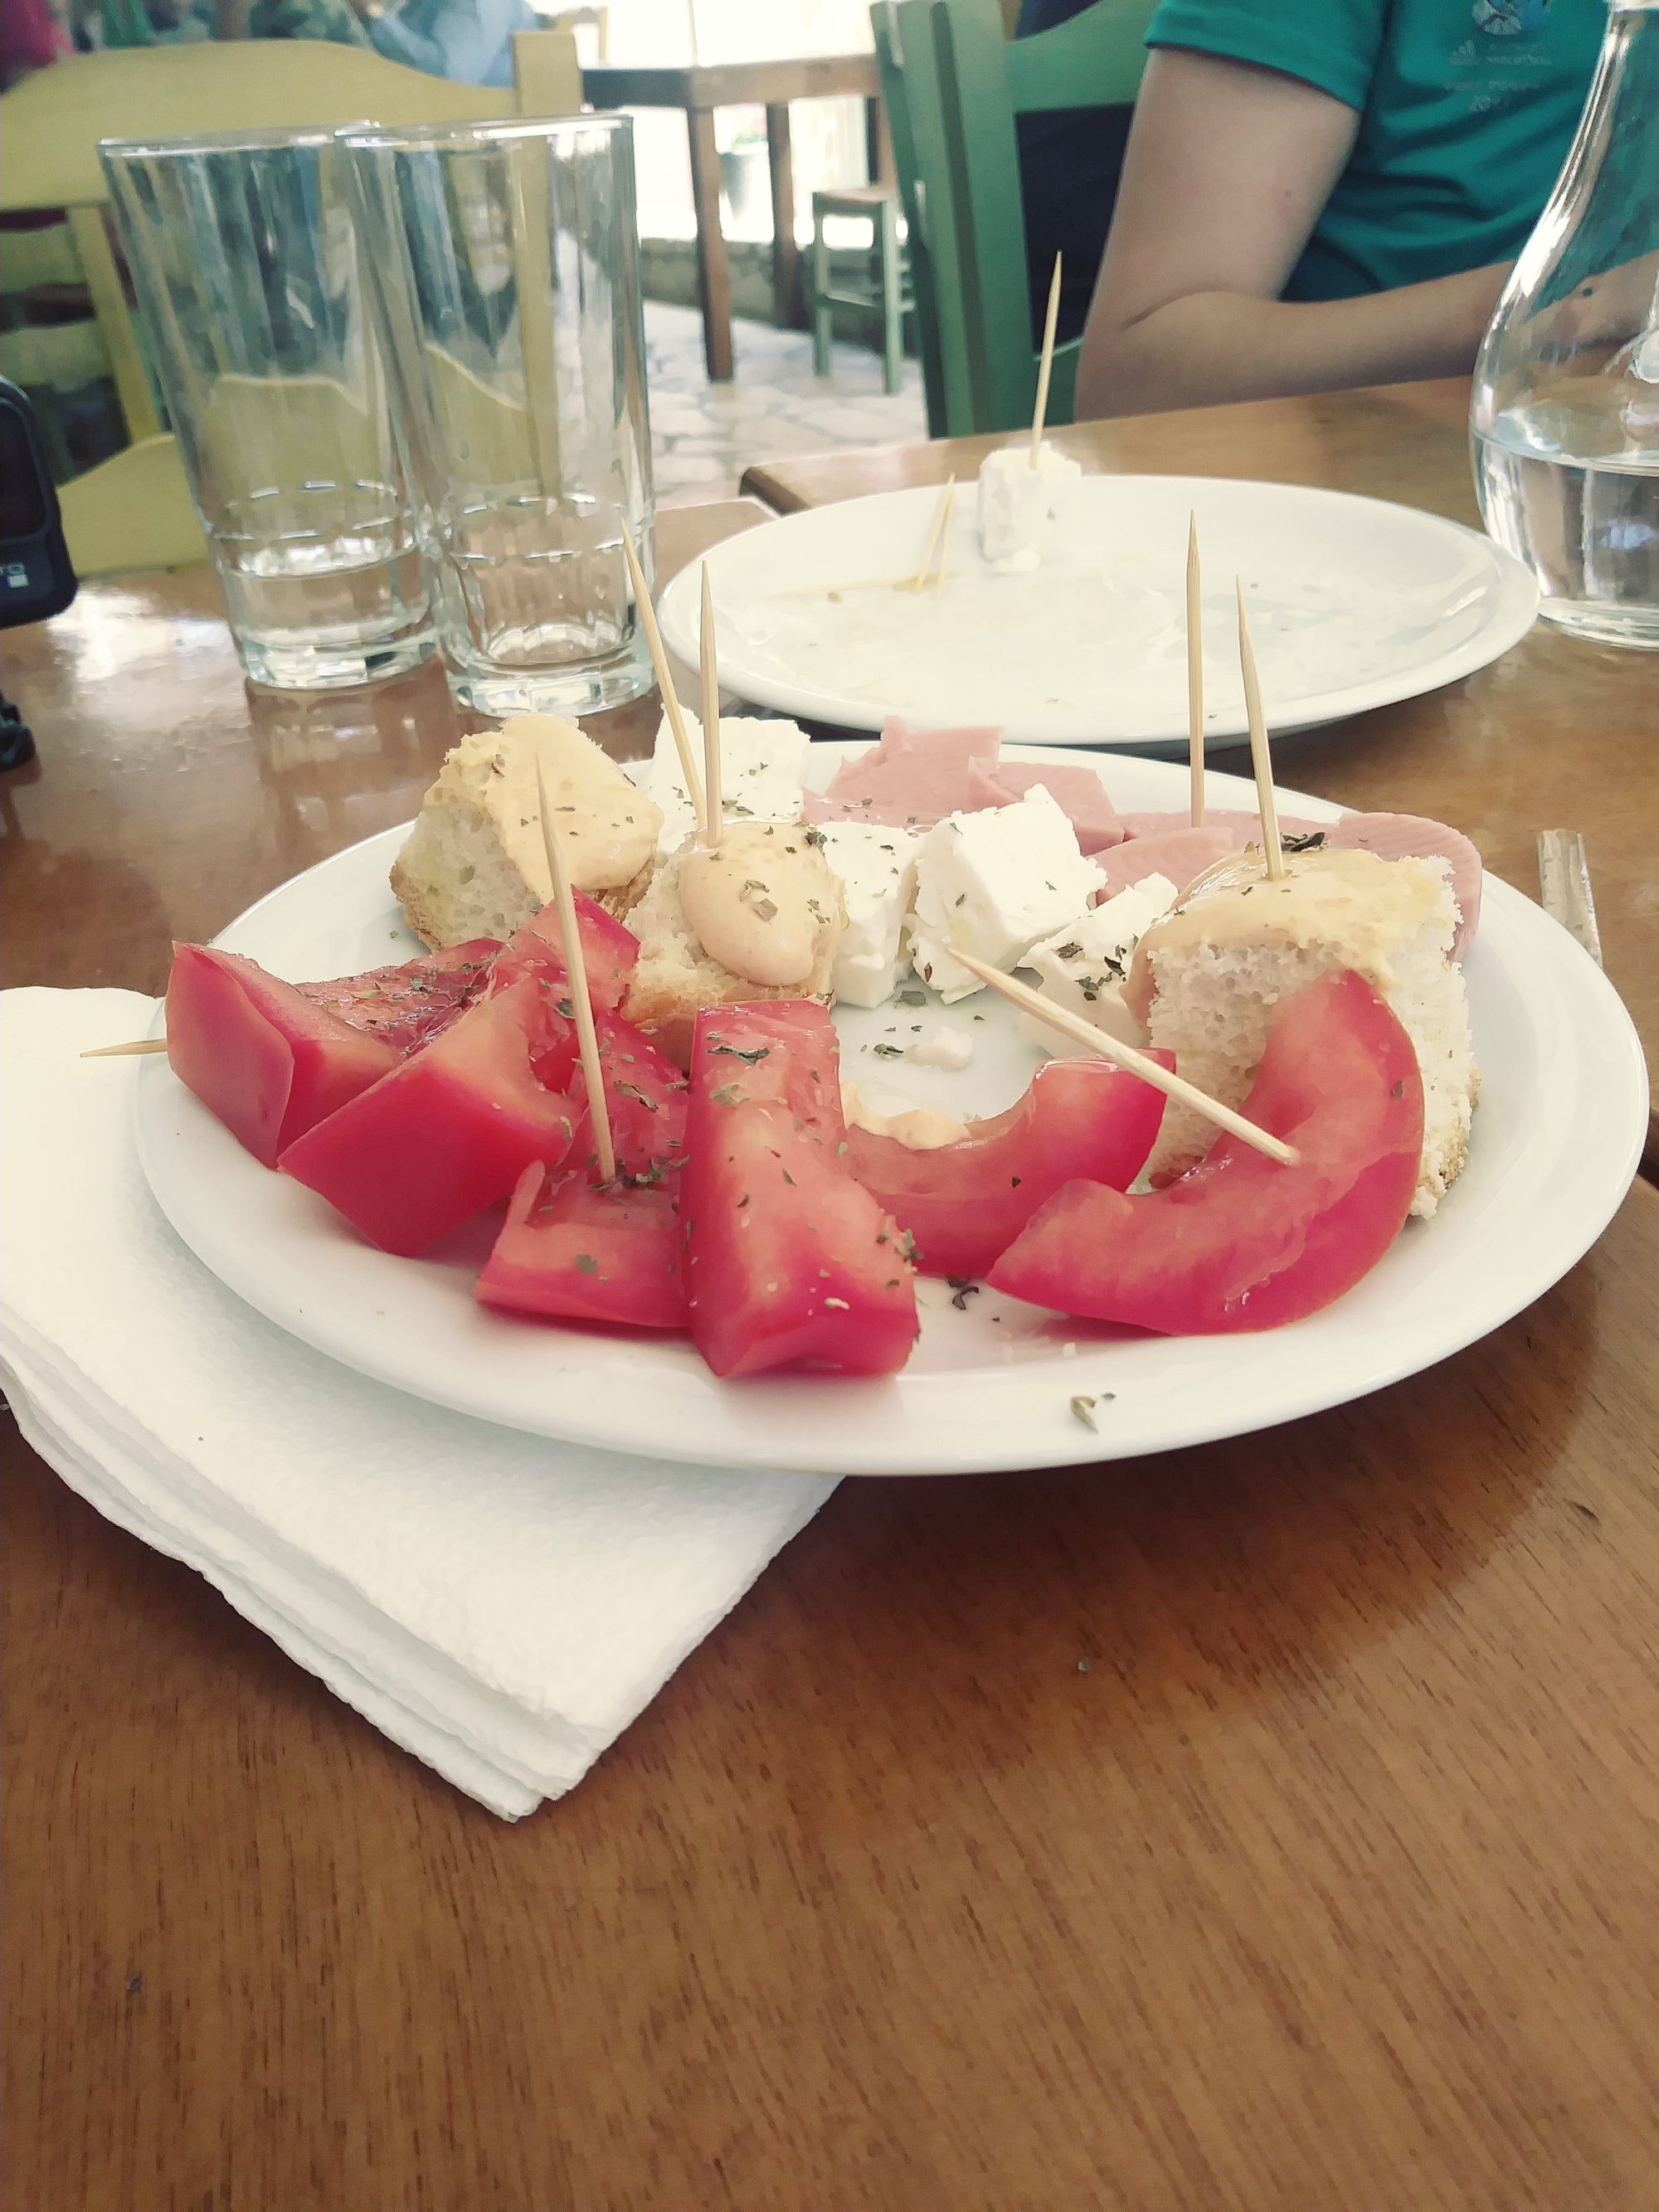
132,511
852,199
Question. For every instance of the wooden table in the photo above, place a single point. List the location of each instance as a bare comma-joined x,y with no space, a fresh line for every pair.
1270,1827
770,85
1559,734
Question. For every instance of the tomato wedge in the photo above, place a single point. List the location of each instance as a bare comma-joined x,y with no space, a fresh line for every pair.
407,1006
789,1261
264,1057
609,952
965,1203
1242,1243
448,1131
574,1250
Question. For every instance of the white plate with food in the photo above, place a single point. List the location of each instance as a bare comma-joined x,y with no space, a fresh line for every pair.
1354,603
992,1382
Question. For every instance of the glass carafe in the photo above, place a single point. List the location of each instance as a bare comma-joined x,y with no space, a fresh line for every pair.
1565,414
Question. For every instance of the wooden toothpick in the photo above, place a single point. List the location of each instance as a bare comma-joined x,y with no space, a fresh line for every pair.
1045,365
576,968
671,699
125,1051
941,521
711,713
948,511
1194,674
1110,1047
1260,758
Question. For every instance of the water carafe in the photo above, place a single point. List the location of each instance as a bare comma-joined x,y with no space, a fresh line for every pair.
1565,419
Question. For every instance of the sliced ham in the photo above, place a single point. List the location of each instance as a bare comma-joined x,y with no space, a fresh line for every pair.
1179,854
909,779
1244,827
1078,791
1415,837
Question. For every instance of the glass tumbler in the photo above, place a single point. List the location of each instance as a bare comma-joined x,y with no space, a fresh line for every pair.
505,258
247,271
1564,415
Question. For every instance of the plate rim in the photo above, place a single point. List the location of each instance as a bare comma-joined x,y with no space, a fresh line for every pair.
899,1454
1514,616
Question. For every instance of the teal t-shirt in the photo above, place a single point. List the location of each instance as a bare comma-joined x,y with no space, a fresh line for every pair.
1467,109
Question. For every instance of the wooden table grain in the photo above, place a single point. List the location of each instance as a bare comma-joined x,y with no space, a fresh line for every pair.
1559,733
1269,1827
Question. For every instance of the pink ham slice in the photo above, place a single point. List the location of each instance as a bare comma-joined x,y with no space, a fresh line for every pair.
1415,837
908,780
1179,854
1245,829
1078,791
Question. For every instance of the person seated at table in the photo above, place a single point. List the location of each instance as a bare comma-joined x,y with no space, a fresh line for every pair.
470,41
1321,194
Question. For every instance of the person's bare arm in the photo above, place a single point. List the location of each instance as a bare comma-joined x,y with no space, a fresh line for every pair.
1227,170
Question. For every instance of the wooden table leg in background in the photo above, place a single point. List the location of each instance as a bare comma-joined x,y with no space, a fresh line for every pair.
880,167
786,254
714,269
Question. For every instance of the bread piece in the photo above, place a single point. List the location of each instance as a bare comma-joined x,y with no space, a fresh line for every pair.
474,864
675,974
1238,944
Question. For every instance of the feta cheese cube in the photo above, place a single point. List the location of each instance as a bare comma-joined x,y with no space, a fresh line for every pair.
992,884
761,766
878,870
1025,511
1084,967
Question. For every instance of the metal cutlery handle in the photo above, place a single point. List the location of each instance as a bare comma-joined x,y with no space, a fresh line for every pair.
1564,886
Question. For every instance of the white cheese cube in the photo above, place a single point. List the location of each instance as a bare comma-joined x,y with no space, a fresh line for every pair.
878,870
762,765
992,884
1084,966
1025,511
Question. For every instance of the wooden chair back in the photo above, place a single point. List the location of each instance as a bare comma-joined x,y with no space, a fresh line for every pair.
963,100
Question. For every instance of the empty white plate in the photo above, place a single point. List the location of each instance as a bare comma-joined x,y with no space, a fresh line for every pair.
1353,603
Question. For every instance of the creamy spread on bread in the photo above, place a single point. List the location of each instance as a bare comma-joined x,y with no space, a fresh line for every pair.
763,902
607,826
1345,897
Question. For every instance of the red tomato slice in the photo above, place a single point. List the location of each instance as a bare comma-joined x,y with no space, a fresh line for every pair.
1242,1243
447,1132
645,1096
789,1261
609,952
406,1007
572,1250
965,1203
264,1057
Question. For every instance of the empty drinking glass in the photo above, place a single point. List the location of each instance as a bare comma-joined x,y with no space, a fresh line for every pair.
506,260
246,266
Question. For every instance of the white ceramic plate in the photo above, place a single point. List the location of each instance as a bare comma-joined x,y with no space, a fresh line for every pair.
1353,603
1556,1141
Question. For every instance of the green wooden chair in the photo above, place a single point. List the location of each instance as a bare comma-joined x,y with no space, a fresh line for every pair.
953,84
134,510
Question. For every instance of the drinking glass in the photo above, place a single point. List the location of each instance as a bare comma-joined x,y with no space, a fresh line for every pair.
1564,414
249,280
506,260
